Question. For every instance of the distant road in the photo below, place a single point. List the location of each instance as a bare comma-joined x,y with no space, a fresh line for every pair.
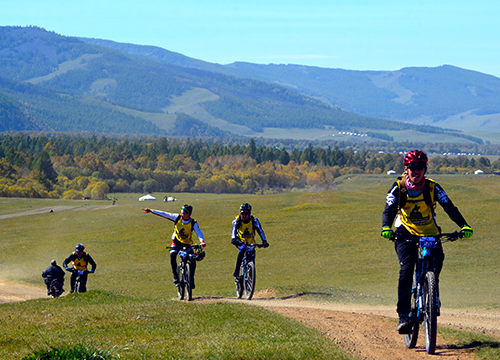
53,209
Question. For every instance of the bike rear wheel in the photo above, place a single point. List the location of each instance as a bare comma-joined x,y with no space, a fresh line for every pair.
188,281
412,337
180,285
56,289
249,280
430,312
239,283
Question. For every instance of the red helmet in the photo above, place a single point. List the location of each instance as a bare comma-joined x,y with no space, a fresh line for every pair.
415,156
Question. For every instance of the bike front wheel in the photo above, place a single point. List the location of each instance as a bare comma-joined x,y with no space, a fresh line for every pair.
189,282
412,337
239,283
180,285
78,286
249,280
430,312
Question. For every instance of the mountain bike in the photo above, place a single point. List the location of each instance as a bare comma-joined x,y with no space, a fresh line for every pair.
79,286
425,305
184,271
245,282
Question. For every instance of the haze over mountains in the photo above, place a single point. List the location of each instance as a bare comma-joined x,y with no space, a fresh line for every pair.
57,83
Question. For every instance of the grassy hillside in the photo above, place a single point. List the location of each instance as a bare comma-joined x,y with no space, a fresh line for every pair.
112,230
325,245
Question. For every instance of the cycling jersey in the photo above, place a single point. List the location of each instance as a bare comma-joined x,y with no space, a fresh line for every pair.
416,215
80,263
183,229
245,231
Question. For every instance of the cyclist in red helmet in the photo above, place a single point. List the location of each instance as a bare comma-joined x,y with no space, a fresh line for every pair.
410,207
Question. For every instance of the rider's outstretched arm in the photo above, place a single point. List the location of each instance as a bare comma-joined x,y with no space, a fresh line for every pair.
163,214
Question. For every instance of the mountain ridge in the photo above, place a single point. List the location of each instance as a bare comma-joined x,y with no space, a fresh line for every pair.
367,93
141,89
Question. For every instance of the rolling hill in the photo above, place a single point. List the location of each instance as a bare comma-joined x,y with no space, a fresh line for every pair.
56,83
445,96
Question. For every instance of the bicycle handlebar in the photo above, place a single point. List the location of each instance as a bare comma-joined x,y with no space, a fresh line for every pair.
72,270
443,237
195,247
256,245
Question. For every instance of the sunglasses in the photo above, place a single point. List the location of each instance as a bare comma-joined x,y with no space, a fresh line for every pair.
244,213
416,166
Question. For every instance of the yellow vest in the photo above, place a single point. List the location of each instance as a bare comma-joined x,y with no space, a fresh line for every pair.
183,232
80,263
246,232
416,215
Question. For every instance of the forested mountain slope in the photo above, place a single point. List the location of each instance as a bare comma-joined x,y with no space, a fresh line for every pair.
65,84
430,95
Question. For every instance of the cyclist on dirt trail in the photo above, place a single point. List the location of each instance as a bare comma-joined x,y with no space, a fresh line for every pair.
54,271
411,201
81,260
184,225
243,233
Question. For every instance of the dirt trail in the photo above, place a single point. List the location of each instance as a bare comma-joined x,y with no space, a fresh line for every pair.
12,292
53,209
367,332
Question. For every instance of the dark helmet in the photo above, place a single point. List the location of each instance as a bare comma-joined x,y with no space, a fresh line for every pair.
53,262
199,255
246,207
79,247
415,156
187,208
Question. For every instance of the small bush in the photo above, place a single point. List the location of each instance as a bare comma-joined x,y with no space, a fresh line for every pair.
81,352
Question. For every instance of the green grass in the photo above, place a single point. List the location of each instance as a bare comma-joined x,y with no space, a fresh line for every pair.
325,246
485,347
158,329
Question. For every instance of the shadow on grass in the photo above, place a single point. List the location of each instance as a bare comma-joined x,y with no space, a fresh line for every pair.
476,344
303,294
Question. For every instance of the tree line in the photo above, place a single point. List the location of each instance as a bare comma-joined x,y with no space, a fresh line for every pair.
91,167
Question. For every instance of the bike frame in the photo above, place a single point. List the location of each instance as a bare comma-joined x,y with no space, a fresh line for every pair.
425,306
425,263
246,282
250,253
186,255
78,280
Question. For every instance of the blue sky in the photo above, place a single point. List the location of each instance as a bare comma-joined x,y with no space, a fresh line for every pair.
347,34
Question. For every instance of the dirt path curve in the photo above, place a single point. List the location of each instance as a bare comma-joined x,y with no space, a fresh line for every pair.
12,292
367,332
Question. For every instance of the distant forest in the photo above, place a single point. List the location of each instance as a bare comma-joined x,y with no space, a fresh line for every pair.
91,167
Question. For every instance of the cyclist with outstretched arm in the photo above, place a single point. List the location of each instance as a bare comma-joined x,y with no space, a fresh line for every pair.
410,206
184,226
